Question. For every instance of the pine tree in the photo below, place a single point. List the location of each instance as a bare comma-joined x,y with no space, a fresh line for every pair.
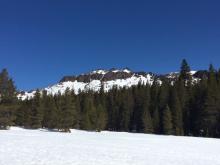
7,100
184,85
154,106
112,109
7,88
198,107
163,95
126,109
211,110
6,117
185,71
68,112
23,114
148,124
167,121
156,121
37,111
88,108
176,112
51,115
101,120
20,113
163,100
141,106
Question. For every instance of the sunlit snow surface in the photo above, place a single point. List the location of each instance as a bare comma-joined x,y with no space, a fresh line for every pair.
40,147
94,85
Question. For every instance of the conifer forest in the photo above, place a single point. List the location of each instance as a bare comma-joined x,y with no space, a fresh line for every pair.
181,108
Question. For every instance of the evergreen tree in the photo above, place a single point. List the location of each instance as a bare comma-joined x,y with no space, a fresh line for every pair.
112,109
198,107
7,88
185,71
156,121
211,110
6,117
37,111
154,106
148,124
51,115
126,109
26,113
68,112
167,121
163,100
7,100
176,112
88,112
184,85
141,106
101,118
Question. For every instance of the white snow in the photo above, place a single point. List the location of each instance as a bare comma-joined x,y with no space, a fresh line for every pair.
129,82
40,147
99,71
94,85
61,87
123,70
126,71
193,72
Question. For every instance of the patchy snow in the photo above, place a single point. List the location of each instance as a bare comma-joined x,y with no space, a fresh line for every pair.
61,87
193,72
40,147
99,71
175,74
123,70
94,85
126,71
26,95
129,82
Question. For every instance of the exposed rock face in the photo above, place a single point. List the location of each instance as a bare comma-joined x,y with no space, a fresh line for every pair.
101,75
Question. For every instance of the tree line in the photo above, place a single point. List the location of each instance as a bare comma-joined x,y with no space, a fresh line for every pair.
182,107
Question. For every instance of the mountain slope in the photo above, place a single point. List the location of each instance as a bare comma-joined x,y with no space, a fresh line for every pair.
105,78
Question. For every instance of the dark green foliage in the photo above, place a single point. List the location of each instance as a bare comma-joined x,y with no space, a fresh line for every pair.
101,118
177,117
211,111
7,88
6,117
8,100
167,121
185,71
88,119
126,109
37,111
154,93
148,123
141,95
156,121
51,113
67,111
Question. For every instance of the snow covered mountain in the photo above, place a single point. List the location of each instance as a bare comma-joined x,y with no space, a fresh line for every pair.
104,78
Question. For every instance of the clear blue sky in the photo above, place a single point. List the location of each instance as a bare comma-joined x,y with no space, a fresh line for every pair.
43,40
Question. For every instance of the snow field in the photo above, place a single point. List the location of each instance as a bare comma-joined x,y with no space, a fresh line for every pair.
39,147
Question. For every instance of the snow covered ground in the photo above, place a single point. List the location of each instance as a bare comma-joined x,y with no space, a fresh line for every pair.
40,147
